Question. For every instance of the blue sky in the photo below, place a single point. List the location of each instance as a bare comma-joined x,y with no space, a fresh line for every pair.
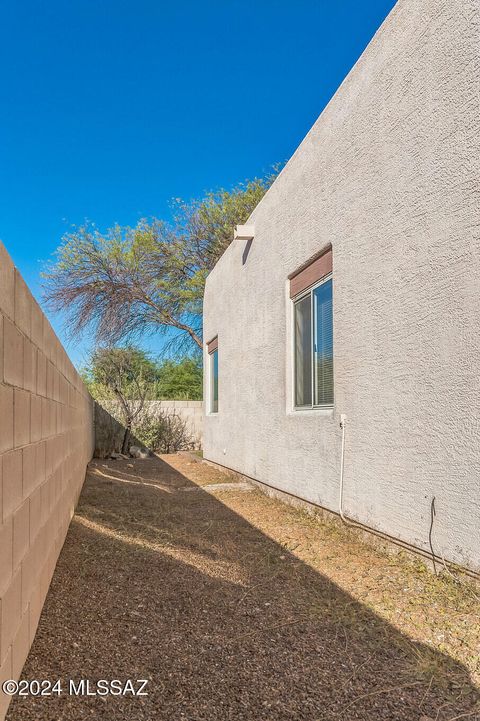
111,108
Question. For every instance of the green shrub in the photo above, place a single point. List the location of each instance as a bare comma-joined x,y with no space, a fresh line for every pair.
164,433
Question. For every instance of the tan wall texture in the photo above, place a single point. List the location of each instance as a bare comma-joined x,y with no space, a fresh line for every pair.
46,440
390,177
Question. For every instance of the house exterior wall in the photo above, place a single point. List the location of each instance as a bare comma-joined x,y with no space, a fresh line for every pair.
46,441
390,177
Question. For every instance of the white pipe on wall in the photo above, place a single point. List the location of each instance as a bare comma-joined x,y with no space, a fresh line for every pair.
343,423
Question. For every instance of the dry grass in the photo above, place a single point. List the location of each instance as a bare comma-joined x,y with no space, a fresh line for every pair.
239,607
441,611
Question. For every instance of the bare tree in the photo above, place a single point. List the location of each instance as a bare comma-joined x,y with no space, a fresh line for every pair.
130,281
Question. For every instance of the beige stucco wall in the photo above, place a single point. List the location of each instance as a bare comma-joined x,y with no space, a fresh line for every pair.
46,440
390,176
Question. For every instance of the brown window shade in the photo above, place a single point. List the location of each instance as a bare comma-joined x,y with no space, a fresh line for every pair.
311,273
212,345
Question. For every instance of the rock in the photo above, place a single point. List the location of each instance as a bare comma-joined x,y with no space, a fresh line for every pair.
137,452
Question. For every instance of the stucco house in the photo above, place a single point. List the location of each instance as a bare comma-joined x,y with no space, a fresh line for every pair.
342,325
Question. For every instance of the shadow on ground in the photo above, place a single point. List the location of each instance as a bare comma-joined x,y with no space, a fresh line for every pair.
172,586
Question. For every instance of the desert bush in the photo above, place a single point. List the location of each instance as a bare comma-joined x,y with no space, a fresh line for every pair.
164,432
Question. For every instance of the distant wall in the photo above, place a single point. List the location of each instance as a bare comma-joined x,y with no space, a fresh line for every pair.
46,441
109,432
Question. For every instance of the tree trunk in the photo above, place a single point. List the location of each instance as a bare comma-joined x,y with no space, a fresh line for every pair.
126,438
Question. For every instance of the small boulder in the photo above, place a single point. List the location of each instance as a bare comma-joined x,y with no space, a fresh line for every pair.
137,452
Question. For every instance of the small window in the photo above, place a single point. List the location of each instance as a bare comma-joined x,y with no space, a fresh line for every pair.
212,348
314,347
313,333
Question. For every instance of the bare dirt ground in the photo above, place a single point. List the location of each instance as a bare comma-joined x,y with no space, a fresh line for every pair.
237,607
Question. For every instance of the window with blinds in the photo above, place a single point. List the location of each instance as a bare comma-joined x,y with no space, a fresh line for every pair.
312,295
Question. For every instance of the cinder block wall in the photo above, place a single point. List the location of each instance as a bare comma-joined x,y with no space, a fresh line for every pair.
190,411
46,441
109,432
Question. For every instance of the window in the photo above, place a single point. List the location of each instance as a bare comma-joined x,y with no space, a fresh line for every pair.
212,348
313,334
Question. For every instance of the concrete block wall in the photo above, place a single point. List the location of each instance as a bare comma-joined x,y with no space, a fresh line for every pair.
46,441
109,432
190,411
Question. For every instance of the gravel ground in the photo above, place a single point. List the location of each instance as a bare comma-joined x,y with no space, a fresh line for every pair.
237,607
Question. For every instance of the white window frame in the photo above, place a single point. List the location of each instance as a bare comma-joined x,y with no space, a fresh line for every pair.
308,291
211,383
